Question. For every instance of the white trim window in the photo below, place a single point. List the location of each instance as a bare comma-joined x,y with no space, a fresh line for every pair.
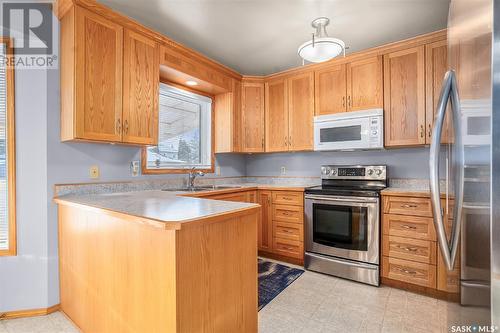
185,131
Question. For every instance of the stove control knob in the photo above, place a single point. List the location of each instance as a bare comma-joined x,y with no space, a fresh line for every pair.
334,172
325,171
378,172
370,172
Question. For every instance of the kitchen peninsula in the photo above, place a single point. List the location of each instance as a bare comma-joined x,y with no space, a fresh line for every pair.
154,261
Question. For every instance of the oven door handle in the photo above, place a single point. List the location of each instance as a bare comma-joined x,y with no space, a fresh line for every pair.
340,199
343,262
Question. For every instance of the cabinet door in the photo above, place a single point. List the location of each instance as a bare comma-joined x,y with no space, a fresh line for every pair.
300,111
276,115
99,63
227,117
364,84
252,117
265,228
141,80
404,97
330,90
436,64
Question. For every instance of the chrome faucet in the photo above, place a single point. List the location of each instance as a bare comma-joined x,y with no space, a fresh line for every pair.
192,176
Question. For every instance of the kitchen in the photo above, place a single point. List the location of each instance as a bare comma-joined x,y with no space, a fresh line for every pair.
154,150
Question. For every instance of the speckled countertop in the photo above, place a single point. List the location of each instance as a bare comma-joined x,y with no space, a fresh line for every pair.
167,207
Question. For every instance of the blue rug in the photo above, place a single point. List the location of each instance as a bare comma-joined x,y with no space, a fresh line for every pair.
273,279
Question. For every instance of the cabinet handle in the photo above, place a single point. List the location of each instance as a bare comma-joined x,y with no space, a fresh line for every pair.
408,249
125,126
409,206
286,143
290,141
286,198
405,226
430,130
408,271
343,101
421,131
262,143
119,125
349,101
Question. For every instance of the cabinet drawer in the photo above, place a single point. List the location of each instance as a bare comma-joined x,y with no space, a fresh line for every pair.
409,226
423,251
293,231
288,247
409,272
288,198
238,196
286,213
407,206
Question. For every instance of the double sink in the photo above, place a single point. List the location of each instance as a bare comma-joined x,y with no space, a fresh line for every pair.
201,188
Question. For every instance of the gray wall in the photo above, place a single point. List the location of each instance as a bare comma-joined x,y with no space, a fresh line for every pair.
402,163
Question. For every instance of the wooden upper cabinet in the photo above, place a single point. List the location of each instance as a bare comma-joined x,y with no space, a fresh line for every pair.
141,80
98,77
252,117
109,81
436,65
301,111
404,97
276,123
364,84
227,117
330,95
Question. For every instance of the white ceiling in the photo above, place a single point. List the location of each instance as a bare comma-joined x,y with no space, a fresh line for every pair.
257,37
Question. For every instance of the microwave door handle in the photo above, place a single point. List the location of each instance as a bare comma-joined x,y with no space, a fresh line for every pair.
448,250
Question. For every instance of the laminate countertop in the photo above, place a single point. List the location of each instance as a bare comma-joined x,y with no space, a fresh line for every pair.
169,209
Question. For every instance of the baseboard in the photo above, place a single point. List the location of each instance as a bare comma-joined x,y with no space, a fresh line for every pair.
29,313
431,292
295,261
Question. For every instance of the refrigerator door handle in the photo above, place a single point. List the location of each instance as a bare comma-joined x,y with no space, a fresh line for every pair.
448,92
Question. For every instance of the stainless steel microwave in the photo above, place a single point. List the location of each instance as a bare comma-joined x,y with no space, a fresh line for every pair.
357,130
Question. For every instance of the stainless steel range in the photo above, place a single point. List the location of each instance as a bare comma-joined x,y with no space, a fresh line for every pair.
343,222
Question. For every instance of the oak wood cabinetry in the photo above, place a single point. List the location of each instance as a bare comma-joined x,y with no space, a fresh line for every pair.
276,121
300,111
436,65
227,117
289,113
252,117
352,86
265,229
109,81
404,97
140,89
282,225
411,257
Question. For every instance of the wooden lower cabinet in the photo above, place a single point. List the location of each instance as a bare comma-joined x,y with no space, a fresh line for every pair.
411,257
282,222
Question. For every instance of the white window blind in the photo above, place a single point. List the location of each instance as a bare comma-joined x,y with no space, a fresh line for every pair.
184,138
4,214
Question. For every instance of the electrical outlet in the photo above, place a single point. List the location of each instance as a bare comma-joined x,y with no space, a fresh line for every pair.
283,171
94,172
134,168
217,170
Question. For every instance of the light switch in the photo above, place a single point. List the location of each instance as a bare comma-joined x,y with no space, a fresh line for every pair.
94,172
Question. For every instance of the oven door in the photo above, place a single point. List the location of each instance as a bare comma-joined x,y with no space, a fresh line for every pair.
345,227
344,134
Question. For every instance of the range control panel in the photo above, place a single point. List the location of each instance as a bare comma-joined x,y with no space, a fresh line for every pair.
353,172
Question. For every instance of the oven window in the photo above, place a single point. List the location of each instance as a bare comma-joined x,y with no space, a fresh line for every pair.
338,134
340,226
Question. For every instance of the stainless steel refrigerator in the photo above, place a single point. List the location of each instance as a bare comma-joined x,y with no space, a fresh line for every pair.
465,159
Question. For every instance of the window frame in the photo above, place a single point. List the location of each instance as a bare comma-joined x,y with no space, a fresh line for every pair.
144,152
11,153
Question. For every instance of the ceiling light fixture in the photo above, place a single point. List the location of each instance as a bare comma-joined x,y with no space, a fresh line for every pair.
191,83
321,47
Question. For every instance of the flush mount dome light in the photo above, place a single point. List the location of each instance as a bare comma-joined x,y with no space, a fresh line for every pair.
321,47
